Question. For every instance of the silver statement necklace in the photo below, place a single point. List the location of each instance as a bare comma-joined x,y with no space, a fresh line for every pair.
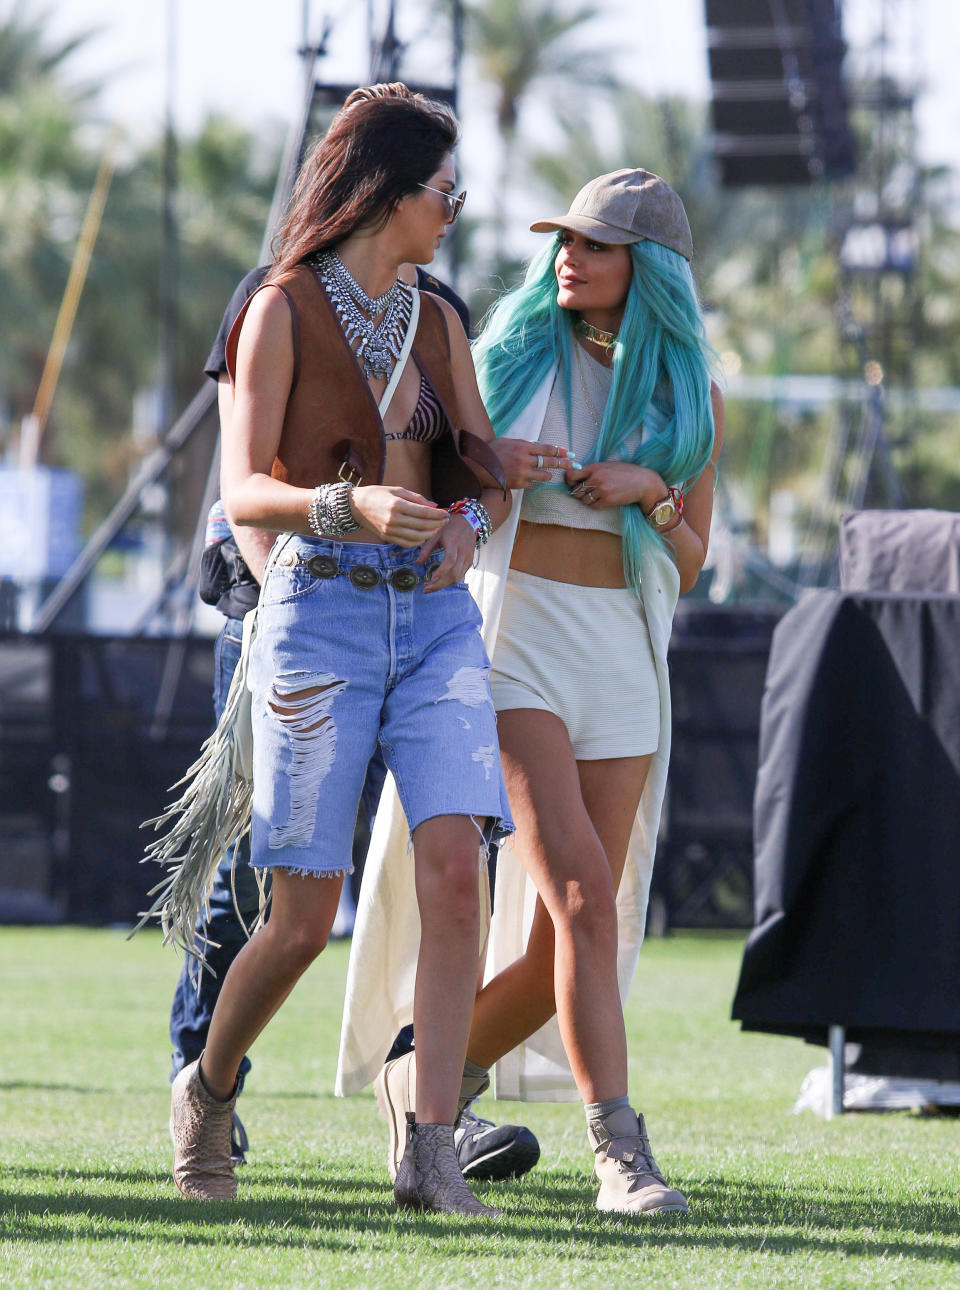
379,346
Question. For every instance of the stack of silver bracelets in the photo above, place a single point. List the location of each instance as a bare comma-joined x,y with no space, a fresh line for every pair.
329,513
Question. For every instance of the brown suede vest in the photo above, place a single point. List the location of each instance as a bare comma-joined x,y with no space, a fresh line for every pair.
332,428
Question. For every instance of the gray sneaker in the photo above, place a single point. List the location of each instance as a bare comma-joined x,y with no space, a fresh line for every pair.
484,1150
491,1151
630,1179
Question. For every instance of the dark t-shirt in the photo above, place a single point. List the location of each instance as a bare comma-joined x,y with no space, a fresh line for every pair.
225,579
216,363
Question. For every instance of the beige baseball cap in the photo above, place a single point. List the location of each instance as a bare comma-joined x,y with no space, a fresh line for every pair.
627,206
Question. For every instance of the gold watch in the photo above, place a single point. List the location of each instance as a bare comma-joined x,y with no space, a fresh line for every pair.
662,513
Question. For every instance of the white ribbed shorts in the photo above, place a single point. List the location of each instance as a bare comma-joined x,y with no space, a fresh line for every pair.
583,653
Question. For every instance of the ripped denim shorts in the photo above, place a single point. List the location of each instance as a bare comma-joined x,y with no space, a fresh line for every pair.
350,651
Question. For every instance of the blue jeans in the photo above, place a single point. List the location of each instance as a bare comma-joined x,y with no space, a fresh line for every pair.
351,651
194,1000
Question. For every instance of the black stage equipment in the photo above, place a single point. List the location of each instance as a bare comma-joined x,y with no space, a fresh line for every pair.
87,752
83,762
703,873
857,818
778,100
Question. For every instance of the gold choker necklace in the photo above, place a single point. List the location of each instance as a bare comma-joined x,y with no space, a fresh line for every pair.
605,339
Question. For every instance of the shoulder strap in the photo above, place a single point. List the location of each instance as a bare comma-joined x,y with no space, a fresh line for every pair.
401,362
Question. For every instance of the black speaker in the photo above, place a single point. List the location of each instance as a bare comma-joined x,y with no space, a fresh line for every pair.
778,100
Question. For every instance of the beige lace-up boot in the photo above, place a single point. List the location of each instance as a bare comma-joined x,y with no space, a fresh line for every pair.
630,1179
200,1129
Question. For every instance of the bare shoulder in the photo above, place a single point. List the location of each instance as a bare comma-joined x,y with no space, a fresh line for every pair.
267,324
268,307
458,337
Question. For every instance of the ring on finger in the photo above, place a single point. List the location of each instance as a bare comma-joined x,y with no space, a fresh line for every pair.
539,462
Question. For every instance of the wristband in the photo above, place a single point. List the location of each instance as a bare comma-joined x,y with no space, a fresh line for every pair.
476,515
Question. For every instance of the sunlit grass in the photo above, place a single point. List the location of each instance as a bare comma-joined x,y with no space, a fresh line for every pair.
776,1200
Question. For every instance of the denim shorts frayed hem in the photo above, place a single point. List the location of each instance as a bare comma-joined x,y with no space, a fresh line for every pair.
340,665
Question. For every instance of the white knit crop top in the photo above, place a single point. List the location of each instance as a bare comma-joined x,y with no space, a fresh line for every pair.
588,398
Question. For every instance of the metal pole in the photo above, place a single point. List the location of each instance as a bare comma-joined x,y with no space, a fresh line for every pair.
151,468
71,299
169,286
457,37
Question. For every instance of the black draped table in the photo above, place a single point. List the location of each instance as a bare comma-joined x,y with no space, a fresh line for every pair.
857,827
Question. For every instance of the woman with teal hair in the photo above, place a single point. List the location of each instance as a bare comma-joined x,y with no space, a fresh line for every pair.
595,373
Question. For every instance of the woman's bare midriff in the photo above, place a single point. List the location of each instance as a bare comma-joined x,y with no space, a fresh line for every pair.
585,557
407,463
407,466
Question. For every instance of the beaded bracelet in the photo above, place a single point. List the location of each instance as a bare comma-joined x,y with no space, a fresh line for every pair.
329,513
476,515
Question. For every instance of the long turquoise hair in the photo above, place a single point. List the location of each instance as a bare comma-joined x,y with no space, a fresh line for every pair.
661,372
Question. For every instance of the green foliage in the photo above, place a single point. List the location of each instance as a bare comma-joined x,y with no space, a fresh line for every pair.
776,1200
50,148
522,46
520,43
28,56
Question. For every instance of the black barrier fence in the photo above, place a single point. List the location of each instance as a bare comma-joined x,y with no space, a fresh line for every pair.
704,871
94,731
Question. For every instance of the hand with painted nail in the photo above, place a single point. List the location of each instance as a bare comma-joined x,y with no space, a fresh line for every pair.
526,464
615,483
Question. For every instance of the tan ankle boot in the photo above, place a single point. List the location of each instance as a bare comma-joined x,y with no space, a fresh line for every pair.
429,1176
200,1129
630,1179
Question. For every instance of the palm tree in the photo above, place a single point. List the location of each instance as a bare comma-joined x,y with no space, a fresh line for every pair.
521,45
48,159
28,57
45,175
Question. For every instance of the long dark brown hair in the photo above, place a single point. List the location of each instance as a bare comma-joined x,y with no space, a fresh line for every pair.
377,150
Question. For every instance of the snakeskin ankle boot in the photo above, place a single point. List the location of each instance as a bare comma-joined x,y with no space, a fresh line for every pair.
200,1127
429,1176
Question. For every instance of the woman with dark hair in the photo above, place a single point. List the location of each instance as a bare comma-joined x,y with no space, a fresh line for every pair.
602,349
366,462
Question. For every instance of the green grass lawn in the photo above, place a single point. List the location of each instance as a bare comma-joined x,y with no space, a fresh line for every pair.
86,1197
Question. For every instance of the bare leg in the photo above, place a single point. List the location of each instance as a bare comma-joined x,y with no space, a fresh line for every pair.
302,911
573,827
446,851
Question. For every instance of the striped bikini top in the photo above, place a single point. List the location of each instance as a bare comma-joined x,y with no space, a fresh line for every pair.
428,422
